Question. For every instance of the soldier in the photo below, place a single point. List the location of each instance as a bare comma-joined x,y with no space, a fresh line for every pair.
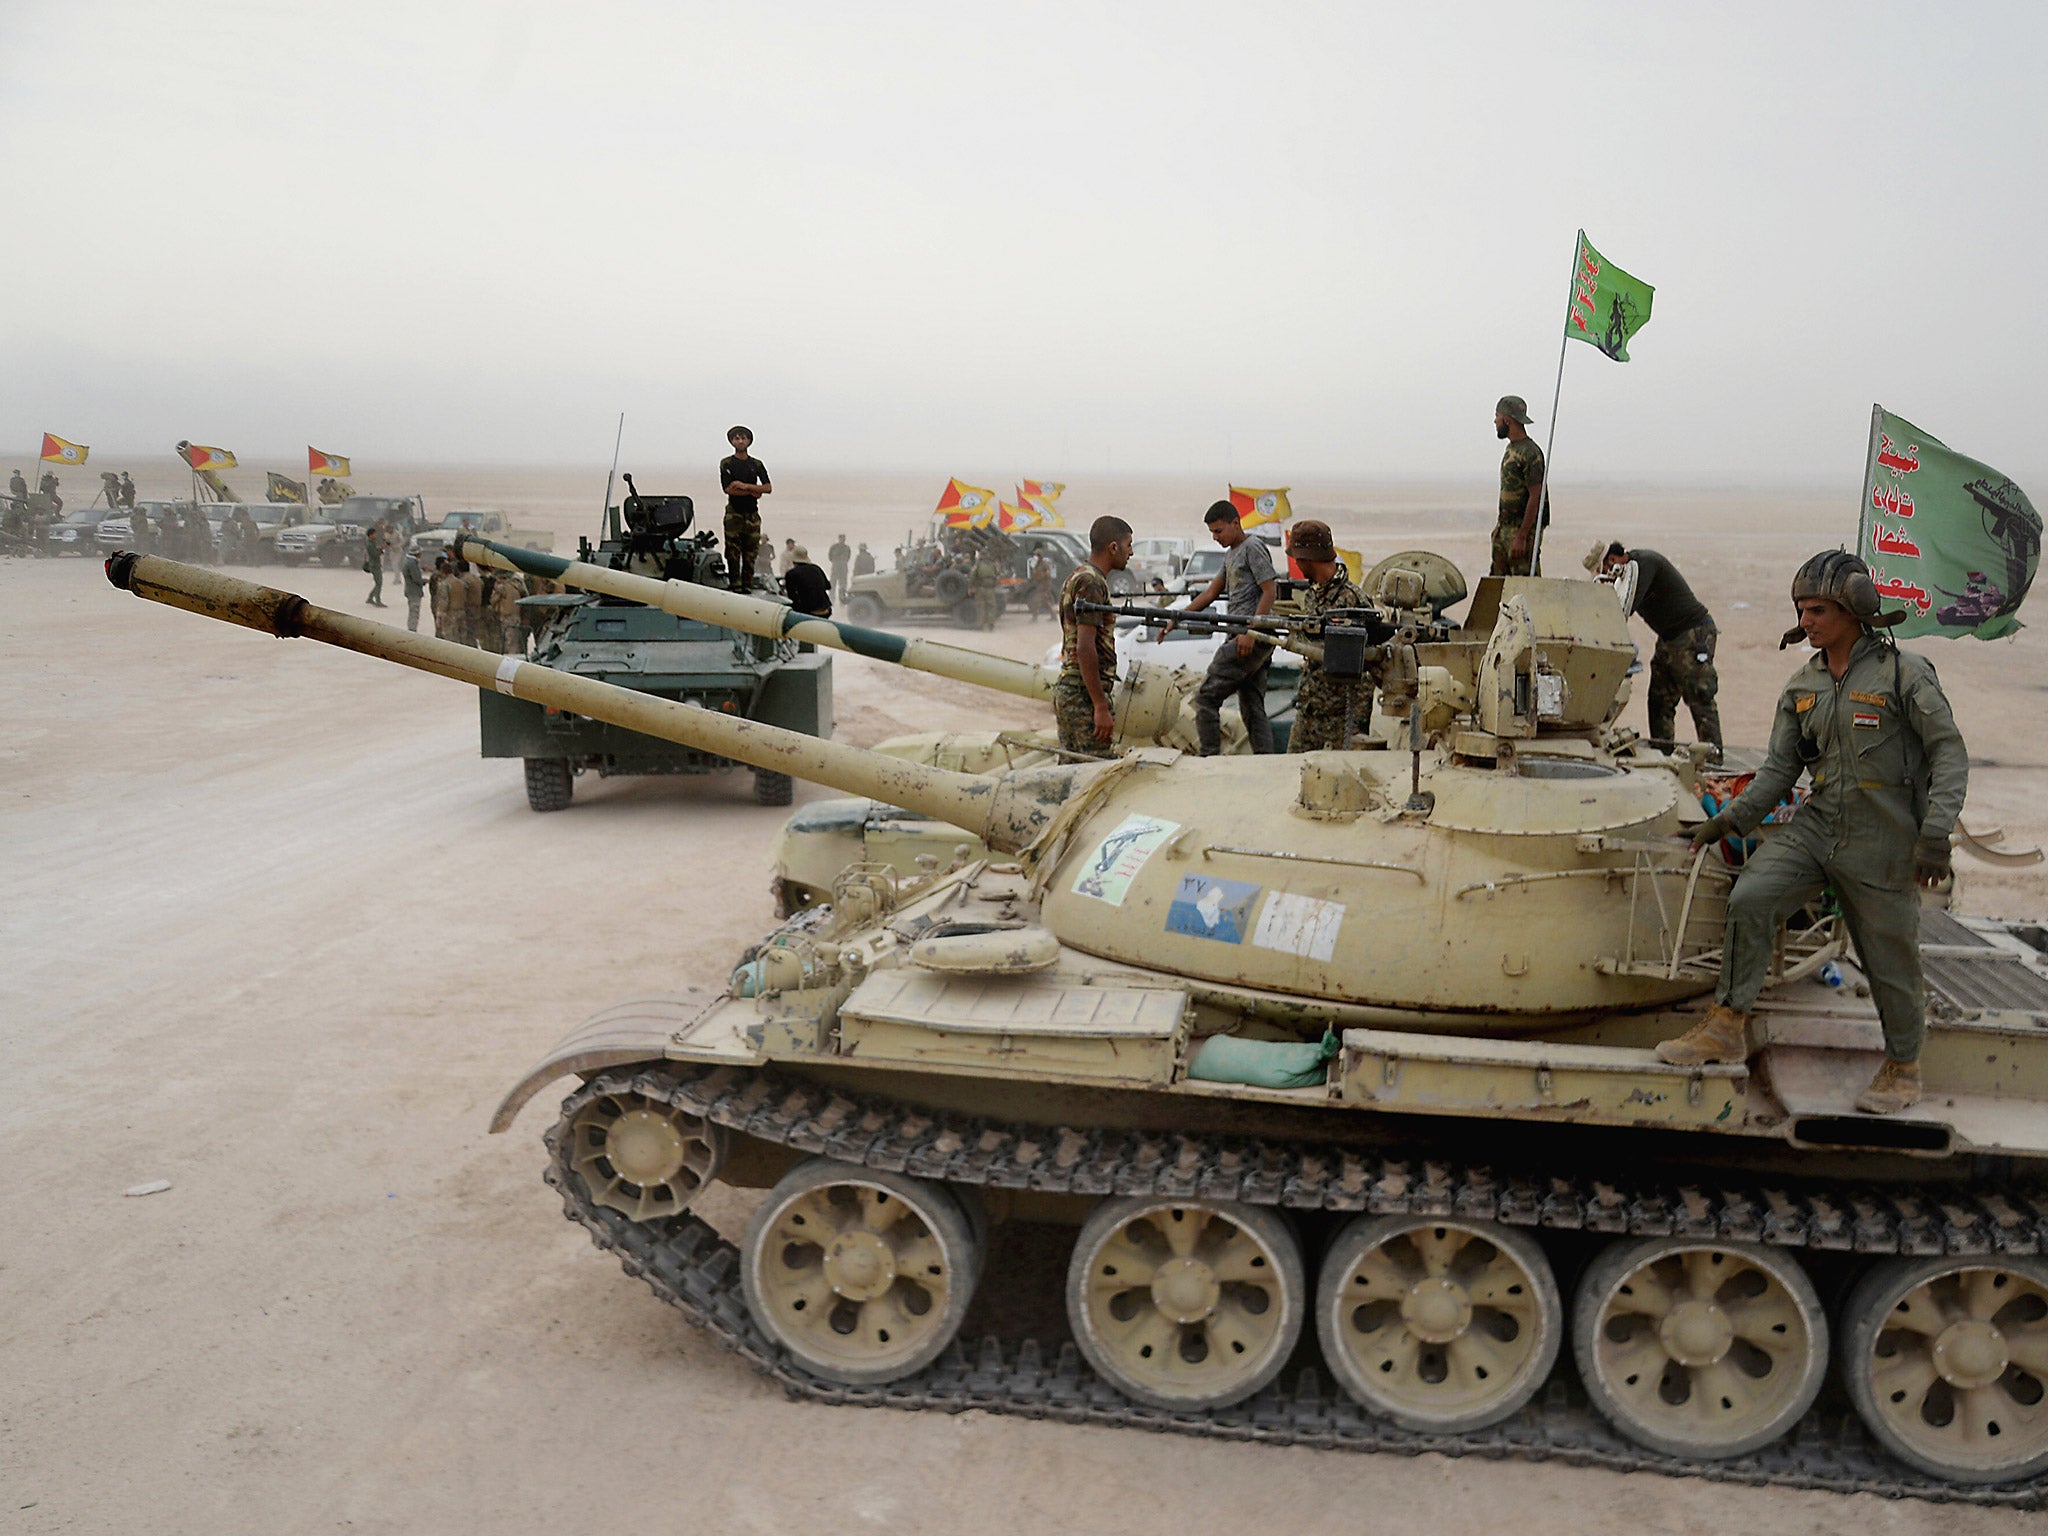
110,487
415,580
1327,711
248,544
127,491
17,491
1682,666
198,536
809,590
373,563
745,480
1869,722
139,538
470,603
1080,696
441,592
839,557
1240,664
1039,594
505,609
985,581
49,490
864,562
1521,491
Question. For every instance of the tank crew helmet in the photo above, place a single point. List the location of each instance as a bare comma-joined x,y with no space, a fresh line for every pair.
1310,540
1839,577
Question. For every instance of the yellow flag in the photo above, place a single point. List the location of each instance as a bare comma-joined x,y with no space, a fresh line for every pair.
1255,507
201,457
966,506
57,451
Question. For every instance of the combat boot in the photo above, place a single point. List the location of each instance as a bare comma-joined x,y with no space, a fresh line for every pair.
1896,1087
1722,1036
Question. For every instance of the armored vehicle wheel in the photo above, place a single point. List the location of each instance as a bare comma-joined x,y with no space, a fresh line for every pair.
865,610
1699,1349
773,788
1947,1361
862,1275
1439,1325
949,587
549,783
642,1157
1186,1303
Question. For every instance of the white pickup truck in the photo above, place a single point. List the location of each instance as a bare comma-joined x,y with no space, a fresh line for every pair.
496,526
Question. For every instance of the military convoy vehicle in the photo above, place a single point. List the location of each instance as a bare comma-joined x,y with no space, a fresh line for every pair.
439,539
931,577
616,639
1343,1057
337,533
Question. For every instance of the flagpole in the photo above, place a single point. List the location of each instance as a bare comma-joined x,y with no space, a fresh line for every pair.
1864,548
1564,340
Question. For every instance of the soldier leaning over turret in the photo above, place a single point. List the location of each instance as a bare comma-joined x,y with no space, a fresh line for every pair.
1871,725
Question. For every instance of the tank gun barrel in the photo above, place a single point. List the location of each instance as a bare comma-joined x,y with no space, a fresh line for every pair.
773,621
1008,811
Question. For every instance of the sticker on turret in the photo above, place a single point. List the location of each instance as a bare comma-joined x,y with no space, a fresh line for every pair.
1299,925
1207,908
1107,873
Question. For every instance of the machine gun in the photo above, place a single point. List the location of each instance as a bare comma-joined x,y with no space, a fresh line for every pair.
1349,642
650,535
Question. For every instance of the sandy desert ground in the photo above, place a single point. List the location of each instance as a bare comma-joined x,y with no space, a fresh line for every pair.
275,933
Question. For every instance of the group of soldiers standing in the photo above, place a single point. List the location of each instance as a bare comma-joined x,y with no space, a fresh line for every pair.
475,607
184,532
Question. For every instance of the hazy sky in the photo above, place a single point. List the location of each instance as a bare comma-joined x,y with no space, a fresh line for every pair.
1269,242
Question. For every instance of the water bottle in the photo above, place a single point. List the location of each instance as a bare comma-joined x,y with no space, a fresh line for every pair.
1831,975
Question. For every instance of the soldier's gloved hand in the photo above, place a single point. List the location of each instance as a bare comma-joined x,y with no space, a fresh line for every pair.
1711,831
1932,861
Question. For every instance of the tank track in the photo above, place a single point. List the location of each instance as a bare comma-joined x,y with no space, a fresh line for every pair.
697,1271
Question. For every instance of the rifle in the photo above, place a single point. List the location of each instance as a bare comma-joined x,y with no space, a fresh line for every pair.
1347,641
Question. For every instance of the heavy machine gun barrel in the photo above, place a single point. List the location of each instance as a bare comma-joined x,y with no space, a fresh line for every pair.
1007,812
773,621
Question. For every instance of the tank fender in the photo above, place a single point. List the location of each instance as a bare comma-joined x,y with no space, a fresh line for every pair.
619,1036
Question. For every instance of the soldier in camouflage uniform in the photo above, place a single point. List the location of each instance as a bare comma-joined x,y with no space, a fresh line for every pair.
1080,698
506,613
1870,724
1322,705
1521,491
1682,666
986,582
744,480
469,602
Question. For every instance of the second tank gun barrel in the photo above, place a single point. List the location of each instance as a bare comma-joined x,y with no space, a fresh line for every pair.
1008,812
773,621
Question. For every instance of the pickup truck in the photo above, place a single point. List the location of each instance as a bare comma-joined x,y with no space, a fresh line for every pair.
335,535
496,526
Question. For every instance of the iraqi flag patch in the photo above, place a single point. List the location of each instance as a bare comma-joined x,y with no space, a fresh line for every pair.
1868,720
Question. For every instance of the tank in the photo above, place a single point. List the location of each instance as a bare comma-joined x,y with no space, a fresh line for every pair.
1339,1068
1154,705
613,638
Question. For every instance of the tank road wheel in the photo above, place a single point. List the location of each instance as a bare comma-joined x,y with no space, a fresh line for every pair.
1699,1349
1438,1325
865,610
641,1157
863,1276
1186,1304
549,783
773,788
1947,1361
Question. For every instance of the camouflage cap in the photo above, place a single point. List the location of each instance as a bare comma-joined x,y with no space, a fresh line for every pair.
1514,407
1310,540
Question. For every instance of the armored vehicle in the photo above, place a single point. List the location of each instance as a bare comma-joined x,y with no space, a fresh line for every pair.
778,681
1344,1055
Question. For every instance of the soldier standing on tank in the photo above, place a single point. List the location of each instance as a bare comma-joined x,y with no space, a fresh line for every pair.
1682,666
1327,711
17,492
1080,696
1241,663
1521,491
470,596
839,557
373,562
1871,725
55,507
745,481
863,562
415,586
986,583
807,586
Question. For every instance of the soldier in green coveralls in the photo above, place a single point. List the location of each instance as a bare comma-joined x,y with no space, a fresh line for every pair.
1327,711
1870,723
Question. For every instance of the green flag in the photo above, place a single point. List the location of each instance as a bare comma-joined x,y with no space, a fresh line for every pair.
1608,306
1952,540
